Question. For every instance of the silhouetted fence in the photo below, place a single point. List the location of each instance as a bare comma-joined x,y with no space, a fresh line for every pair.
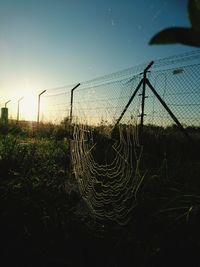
177,81
102,100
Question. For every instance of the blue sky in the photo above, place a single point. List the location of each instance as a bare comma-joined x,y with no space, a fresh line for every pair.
50,43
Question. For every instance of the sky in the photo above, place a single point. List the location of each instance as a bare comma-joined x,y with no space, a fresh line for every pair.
51,43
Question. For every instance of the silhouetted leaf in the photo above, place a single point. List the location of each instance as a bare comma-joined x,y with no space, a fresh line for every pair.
186,36
194,13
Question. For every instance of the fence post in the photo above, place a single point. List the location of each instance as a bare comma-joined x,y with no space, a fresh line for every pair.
18,108
144,81
4,113
71,106
128,104
7,103
38,115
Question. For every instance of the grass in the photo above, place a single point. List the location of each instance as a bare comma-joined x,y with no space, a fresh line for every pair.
45,222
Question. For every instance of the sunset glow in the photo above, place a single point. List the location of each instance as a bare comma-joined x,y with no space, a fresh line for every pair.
29,106
27,100
45,47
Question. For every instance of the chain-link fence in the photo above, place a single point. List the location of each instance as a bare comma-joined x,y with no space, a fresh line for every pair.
55,104
106,159
180,89
102,101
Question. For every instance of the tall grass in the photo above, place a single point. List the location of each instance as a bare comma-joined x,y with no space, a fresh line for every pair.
44,222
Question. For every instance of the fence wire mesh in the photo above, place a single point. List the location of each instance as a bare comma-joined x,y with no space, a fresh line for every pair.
106,165
55,104
179,88
106,159
102,100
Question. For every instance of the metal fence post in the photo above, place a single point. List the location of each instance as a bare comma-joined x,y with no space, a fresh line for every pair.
71,105
7,103
18,108
144,81
38,115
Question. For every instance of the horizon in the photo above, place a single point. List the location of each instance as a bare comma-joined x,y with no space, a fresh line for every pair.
65,42
110,94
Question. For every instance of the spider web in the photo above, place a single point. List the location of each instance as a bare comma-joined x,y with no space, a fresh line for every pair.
105,162
106,159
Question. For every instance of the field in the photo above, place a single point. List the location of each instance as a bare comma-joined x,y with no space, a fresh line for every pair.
44,221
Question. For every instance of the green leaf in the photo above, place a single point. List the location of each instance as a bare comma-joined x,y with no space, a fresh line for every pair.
186,36
194,13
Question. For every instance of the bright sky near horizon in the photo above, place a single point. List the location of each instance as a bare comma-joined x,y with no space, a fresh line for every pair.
50,43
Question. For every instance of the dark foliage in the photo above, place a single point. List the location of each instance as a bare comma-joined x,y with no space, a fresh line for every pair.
45,222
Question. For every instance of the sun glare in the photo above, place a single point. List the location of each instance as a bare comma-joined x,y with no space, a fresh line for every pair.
27,105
